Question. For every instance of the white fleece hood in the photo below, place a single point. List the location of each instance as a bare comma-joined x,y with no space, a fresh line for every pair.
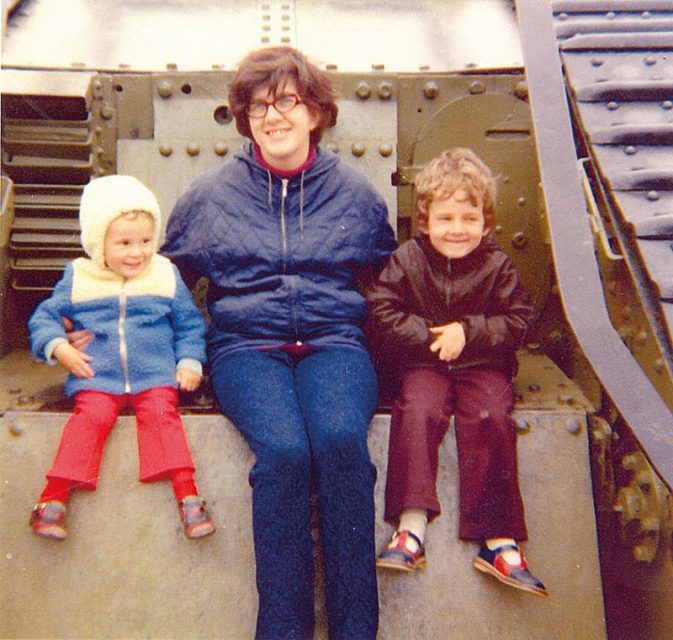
106,198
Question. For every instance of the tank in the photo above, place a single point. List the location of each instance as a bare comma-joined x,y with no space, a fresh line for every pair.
570,101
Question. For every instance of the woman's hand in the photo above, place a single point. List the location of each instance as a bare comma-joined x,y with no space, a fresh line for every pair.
450,341
187,379
74,360
78,339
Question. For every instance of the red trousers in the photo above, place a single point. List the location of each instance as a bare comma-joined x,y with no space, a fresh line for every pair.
482,401
162,444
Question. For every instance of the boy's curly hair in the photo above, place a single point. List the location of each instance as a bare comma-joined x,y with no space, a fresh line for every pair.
453,169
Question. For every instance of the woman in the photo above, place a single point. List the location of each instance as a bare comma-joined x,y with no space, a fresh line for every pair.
283,232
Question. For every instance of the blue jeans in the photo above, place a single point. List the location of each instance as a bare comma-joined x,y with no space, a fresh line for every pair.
306,419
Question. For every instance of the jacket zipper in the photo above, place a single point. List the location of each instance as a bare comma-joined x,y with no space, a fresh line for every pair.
123,349
283,228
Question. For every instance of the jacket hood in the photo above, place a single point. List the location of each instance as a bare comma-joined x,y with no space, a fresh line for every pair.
105,199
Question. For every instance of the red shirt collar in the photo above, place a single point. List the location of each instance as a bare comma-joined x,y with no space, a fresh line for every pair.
282,173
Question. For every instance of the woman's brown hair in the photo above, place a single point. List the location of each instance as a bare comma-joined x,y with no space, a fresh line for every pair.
272,67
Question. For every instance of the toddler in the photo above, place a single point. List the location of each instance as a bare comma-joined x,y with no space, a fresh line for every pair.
143,321
449,313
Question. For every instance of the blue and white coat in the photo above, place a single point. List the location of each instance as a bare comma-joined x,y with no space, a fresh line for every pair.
143,327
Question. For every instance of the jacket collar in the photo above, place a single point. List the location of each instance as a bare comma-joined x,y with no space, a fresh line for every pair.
323,161
440,262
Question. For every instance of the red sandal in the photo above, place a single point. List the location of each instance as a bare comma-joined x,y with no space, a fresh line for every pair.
47,520
514,575
195,517
398,556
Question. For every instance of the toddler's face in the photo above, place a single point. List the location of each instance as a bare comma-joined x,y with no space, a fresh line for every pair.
129,244
455,225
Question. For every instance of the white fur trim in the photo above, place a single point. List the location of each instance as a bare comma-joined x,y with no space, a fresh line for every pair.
106,198
92,282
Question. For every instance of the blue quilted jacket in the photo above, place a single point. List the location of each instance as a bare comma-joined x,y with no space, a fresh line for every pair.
142,326
282,256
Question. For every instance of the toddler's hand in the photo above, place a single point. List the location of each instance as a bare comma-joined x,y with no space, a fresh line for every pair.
73,360
187,379
450,341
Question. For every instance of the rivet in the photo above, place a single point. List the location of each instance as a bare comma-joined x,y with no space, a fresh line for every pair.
519,240
106,111
563,16
358,149
221,149
642,336
629,462
533,388
650,60
24,400
165,150
612,105
659,365
193,149
564,398
667,104
652,195
430,90
573,427
533,346
630,150
522,425
333,147
610,15
597,62
477,87
521,201
645,15
498,228
363,91
386,150
14,428
165,89
97,89
385,91
521,90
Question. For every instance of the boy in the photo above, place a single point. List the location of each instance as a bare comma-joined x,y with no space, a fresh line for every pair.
143,320
449,308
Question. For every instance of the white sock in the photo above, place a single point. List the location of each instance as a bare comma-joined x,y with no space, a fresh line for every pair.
416,521
510,556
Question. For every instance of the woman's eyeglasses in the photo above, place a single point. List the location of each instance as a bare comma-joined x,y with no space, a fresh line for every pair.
282,104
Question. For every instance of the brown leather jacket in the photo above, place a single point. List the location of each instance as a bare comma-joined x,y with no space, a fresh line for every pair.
419,288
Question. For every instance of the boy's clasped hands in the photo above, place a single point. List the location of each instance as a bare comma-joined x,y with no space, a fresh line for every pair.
450,341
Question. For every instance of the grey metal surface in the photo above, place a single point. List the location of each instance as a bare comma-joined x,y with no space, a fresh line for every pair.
127,571
581,289
200,34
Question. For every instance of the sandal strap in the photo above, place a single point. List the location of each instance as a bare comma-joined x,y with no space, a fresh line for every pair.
411,535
